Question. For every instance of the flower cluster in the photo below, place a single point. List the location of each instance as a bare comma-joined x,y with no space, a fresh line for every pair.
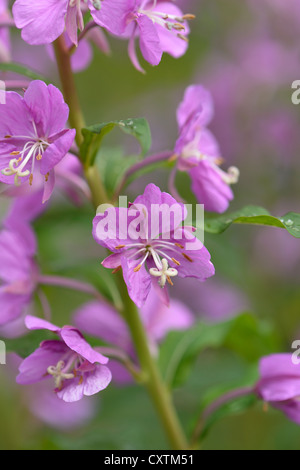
160,25
33,138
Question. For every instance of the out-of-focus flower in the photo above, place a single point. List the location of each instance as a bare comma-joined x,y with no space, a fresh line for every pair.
247,90
160,26
103,321
44,21
77,369
279,384
56,413
44,404
214,301
198,152
82,56
27,200
276,248
33,138
17,272
150,244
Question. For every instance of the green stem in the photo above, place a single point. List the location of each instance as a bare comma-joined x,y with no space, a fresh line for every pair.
158,391
76,118
63,60
93,178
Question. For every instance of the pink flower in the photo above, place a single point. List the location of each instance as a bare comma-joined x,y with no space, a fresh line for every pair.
78,370
198,151
160,26
45,405
279,384
27,200
44,21
33,138
160,250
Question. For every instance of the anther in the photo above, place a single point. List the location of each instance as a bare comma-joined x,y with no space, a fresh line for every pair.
189,17
116,270
187,258
179,246
181,36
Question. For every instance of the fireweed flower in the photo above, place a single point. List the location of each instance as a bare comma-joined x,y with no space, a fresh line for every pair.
198,153
17,272
160,26
103,321
44,21
77,369
279,384
158,250
33,138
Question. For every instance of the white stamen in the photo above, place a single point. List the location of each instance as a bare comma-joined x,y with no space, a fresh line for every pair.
164,273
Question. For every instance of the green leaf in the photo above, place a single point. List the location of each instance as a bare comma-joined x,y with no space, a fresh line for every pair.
93,136
112,165
255,215
162,165
181,348
251,339
22,70
244,335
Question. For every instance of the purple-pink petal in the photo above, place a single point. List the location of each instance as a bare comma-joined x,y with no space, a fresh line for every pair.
41,22
138,283
34,367
209,188
75,341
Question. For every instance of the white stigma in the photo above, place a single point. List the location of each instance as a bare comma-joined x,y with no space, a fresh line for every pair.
164,274
59,374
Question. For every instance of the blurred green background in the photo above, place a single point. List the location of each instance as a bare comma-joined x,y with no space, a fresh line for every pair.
247,54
